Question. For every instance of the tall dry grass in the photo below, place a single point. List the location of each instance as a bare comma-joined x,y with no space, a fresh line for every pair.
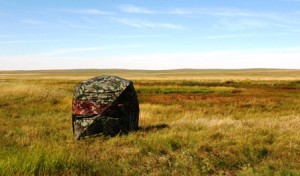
187,127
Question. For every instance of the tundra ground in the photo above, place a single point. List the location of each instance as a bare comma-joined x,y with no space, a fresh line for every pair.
192,122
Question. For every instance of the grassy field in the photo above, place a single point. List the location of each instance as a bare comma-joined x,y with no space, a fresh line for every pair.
192,122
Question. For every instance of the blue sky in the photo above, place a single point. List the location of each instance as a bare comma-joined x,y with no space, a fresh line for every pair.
156,34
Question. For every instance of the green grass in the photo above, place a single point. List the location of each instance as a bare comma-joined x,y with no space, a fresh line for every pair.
210,125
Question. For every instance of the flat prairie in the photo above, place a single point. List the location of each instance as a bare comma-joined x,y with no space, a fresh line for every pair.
192,122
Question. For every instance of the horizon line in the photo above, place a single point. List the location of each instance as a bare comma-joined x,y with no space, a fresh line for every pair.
126,69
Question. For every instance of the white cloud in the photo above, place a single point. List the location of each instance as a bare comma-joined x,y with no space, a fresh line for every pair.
244,35
215,59
239,19
65,51
241,24
223,12
103,36
134,9
74,50
137,23
230,59
88,11
229,36
32,41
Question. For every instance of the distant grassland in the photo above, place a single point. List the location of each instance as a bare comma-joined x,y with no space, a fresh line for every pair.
192,122
180,74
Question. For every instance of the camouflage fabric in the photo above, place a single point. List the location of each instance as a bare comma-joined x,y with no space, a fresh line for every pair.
105,104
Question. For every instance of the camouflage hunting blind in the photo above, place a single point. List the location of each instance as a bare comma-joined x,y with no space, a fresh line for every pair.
104,105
